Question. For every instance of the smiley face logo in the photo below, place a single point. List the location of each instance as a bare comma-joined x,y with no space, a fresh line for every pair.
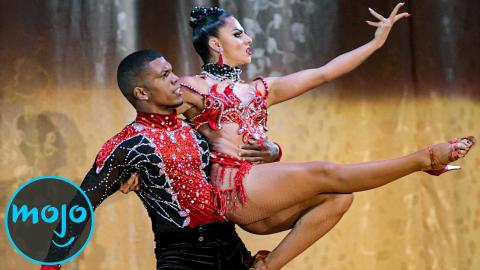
49,220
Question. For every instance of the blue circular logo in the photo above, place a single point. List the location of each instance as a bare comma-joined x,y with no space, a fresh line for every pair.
49,220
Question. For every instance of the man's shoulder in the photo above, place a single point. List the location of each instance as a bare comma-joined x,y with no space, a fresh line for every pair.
128,132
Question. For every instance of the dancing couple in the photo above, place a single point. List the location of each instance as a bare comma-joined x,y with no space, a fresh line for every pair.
196,182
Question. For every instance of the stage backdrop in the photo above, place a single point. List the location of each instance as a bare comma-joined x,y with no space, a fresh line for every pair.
59,103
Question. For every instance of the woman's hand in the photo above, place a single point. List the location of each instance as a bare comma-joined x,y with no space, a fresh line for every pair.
384,25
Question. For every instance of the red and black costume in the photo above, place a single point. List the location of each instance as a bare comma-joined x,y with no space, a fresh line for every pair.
225,107
171,158
173,162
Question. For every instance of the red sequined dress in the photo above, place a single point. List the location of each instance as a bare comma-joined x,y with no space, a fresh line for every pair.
223,107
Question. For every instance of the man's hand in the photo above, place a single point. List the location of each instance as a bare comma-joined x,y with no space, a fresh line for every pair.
132,184
257,154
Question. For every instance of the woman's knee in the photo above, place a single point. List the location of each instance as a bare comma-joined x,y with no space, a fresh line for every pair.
324,170
343,201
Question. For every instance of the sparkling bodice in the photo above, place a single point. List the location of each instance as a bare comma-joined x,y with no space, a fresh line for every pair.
226,107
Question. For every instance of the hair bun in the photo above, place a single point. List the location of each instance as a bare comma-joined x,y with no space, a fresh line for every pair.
199,15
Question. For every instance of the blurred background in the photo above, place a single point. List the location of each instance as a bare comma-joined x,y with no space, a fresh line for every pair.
59,103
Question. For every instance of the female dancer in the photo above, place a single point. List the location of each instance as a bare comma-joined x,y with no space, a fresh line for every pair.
269,198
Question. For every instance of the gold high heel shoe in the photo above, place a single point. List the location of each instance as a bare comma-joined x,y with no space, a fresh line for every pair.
437,167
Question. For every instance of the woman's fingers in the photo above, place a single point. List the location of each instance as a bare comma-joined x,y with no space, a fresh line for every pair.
393,15
395,10
375,24
376,15
400,16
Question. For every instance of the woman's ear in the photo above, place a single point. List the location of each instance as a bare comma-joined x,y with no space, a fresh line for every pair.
214,44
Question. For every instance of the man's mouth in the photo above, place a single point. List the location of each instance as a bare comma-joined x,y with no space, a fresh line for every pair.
178,91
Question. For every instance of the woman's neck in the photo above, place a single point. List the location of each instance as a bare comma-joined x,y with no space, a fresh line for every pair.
221,72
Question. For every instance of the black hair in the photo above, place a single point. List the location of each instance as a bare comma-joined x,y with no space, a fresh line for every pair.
205,23
131,68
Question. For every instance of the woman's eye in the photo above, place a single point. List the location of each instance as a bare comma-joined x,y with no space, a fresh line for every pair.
237,34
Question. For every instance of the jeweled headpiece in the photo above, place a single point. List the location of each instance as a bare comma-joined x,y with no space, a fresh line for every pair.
199,14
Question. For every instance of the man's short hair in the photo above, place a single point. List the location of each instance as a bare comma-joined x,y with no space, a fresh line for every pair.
130,70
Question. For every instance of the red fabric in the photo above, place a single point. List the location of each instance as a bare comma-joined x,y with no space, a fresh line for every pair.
168,122
237,192
183,165
112,144
226,107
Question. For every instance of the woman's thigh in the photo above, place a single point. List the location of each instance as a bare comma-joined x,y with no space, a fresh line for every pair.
273,187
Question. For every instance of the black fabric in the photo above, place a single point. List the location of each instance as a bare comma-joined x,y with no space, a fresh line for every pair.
209,246
212,246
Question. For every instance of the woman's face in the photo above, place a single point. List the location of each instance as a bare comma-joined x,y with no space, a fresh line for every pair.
236,45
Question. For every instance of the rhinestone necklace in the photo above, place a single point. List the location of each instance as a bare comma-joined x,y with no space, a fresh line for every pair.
221,72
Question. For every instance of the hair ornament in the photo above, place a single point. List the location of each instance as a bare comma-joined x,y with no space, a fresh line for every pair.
199,15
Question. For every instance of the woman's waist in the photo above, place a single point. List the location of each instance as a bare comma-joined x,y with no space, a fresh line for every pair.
226,144
232,135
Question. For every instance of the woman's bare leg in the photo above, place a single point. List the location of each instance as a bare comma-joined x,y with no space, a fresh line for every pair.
276,186
316,216
287,218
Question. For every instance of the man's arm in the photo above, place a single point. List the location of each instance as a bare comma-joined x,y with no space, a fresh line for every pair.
97,186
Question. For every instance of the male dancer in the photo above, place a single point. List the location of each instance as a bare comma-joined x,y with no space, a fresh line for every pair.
172,160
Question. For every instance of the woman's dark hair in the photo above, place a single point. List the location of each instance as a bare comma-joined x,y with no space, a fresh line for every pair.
205,23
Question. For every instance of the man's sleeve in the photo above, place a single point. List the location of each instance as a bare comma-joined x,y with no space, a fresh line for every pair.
97,185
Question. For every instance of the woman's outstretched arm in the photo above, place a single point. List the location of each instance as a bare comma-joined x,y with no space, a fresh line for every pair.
290,86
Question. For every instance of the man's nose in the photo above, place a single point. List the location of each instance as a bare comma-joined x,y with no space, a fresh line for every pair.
174,78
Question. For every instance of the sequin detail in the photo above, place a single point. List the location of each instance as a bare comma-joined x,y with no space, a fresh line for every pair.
172,159
228,179
226,107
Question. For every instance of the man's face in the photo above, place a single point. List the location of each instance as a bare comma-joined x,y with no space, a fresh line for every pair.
162,84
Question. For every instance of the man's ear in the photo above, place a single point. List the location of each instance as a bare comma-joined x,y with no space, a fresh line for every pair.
140,93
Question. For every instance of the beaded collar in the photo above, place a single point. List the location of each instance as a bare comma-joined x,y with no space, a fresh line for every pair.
164,121
221,72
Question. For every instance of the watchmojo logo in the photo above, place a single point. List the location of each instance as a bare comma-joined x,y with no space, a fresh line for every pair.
49,220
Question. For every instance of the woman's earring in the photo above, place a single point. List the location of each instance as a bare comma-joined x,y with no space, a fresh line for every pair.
220,57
